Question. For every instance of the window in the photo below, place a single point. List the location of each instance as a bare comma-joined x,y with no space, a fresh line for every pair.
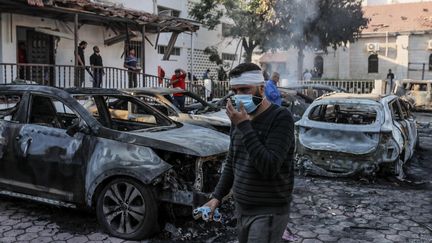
229,57
318,67
9,106
43,112
175,51
168,11
430,62
373,63
124,113
153,102
344,114
396,113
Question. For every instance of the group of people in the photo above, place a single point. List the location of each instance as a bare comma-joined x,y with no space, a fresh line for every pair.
97,71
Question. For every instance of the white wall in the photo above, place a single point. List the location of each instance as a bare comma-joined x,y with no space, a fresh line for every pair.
95,35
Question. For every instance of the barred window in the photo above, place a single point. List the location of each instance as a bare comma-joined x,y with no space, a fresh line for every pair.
229,57
373,63
175,51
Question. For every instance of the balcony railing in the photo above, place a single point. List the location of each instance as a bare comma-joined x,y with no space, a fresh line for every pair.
65,76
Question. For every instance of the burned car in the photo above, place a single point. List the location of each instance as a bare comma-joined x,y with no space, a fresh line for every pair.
345,134
418,93
54,150
297,98
196,111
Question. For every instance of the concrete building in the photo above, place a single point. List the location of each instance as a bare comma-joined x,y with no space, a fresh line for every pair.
49,32
398,37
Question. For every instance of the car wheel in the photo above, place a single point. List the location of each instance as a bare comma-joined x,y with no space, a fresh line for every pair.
127,209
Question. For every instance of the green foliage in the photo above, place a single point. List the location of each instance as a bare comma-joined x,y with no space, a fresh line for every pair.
273,24
315,23
213,55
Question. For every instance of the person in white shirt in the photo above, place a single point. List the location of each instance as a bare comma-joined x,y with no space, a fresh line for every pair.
307,75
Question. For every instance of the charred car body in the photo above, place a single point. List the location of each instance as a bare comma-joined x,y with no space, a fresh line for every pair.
345,134
417,92
297,98
55,151
196,111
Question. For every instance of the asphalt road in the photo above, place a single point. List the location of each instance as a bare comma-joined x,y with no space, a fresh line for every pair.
323,210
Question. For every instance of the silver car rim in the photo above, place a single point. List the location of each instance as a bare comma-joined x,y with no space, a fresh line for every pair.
123,207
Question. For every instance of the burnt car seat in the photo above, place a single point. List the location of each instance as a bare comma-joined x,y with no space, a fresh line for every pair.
43,112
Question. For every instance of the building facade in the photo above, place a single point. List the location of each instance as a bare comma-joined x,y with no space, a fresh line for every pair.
49,39
398,37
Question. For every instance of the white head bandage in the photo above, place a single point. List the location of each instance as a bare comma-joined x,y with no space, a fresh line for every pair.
254,77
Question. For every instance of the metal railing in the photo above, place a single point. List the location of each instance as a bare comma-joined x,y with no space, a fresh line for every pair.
351,86
65,76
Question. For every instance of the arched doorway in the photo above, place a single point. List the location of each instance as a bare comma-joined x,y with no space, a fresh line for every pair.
318,67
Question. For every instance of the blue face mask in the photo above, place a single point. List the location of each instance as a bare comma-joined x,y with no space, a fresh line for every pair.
248,102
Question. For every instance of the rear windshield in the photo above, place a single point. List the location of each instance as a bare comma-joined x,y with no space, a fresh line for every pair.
355,114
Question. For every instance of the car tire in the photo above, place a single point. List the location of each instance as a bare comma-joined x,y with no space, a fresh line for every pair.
127,209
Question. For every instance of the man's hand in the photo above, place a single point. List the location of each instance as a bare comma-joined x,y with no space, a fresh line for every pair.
235,116
212,204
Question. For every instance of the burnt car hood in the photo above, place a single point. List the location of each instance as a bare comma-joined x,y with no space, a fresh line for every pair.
188,139
219,118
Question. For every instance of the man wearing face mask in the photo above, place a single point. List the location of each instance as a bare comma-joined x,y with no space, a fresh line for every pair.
259,165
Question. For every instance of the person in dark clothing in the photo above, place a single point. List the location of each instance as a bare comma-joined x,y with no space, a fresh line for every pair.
259,165
22,58
390,77
80,70
97,67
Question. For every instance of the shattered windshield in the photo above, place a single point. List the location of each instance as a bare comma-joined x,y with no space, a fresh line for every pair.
354,114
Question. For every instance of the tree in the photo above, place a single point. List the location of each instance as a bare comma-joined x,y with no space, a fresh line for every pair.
247,24
313,23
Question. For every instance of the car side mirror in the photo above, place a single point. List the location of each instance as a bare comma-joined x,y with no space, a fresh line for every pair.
78,125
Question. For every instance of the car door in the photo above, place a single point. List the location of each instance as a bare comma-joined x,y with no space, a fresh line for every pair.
51,161
410,124
401,131
12,113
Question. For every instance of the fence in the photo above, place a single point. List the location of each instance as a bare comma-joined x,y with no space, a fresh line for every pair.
351,86
65,75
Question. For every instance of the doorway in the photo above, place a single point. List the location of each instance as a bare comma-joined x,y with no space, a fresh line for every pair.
35,48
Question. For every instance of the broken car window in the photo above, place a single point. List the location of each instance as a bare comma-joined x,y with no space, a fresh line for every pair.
9,106
43,112
153,102
124,113
355,114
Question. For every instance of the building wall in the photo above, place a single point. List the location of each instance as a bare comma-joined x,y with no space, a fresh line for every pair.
112,55
403,54
418,55
381,2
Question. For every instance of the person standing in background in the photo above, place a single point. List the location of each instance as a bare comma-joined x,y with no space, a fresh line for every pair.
178,81
97,67
80,70
271,90
131,63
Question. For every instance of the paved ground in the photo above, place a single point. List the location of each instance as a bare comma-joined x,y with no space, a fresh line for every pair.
323,210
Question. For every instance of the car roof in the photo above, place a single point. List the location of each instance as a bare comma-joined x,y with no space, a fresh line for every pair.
332,96
417,81
99,91
155,90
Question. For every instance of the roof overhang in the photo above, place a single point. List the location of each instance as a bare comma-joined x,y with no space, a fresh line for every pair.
98,14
